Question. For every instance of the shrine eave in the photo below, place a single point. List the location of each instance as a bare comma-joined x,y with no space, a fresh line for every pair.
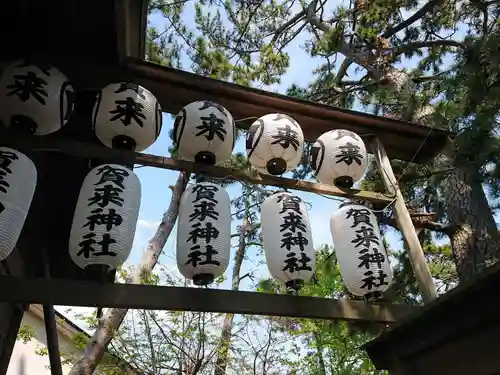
175,88
466,309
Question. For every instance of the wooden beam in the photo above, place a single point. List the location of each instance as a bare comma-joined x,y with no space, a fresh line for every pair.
130,158
130,26
11,317
174,89
123,29
11,314
92,294
405,224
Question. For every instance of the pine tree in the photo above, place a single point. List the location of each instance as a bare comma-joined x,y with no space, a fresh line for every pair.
453,85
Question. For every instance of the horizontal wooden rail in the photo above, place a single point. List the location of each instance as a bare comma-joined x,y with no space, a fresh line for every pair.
81,149
92,294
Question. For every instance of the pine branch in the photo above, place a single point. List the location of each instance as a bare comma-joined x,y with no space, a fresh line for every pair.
365,59
343,70
420,79
424,44
427,8
292,22
428,224
247,23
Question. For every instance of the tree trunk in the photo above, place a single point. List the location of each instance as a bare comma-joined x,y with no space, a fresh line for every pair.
319,352
227,327
474,236
474,239
113,318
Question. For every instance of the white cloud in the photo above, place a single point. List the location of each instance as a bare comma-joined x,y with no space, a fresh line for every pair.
144,231
141,223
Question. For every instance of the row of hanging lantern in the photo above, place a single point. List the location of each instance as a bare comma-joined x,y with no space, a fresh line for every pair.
204,241
204,132
38,99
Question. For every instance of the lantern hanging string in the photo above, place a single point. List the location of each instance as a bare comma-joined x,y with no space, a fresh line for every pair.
431,128
341,200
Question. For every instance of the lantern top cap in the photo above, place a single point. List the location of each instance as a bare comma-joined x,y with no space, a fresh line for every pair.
352,202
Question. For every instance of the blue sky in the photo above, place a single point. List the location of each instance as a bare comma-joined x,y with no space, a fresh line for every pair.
156,194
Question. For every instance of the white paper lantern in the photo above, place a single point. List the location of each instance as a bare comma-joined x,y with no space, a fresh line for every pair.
127,116
204,232
339,157
204,132
363,261
34,98
105,217
287,239
18,177
274,144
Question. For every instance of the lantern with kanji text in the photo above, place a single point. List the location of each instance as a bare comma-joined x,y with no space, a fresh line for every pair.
204,232
105,217
18,177
360,251
35,98
204,132
274,144
287,240
339,157
126,116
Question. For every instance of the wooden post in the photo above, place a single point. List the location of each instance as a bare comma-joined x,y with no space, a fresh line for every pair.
405,224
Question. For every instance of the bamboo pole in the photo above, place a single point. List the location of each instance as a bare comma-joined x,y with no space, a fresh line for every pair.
405,224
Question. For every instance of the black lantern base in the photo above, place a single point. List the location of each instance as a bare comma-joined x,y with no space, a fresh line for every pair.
123,142
24,125
276,166
345,182
293,286
205,157
98,268
203,279
372,296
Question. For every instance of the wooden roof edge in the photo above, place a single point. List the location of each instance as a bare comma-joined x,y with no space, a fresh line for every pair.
257,96
69,329
131,19
143,24
376,348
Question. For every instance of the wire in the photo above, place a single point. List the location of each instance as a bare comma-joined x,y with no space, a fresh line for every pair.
342,200
246,118
416,153
395,185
